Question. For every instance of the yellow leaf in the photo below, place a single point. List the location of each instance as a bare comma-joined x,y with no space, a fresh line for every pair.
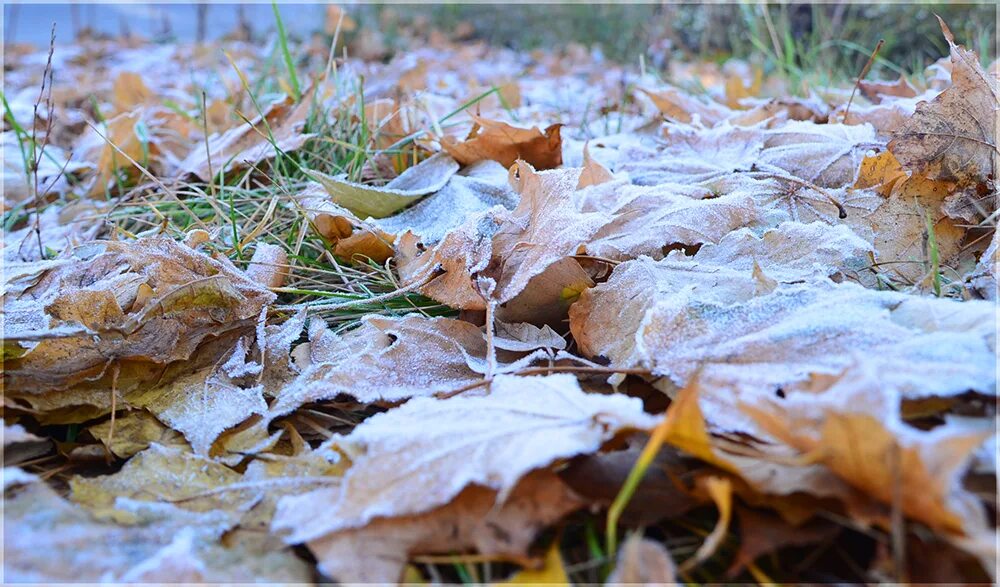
553,571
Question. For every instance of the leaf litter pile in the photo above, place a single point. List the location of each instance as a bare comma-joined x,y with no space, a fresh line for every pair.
469,314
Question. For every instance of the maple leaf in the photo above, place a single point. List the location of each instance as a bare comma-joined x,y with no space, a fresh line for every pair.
750,336
792,252
524,424
58,541
505,144
953,137
393,359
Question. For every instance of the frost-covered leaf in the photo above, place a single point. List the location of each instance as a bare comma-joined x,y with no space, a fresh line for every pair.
691,155
423,454
48,539
719,273
827,155
651,220
151,301
378,552
477,188
682,107
202,405
750,338
425,178
507,249
953,137
853,428
393,359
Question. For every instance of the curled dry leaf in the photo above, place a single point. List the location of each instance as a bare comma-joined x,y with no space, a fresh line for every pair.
422,179
505,144
444,447
151,300
506,248
896,464
953,137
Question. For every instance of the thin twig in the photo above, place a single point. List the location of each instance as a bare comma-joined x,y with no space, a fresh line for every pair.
864,72
841,211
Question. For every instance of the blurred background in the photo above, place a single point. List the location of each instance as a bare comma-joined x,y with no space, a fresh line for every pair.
834,37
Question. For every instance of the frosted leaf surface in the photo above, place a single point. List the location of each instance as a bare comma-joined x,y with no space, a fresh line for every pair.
649,220
422,454
378,552
476,190
792,252
152,299
827,155
393,359
425,178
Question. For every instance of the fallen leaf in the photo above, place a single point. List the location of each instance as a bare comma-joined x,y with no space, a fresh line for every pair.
643,561
394,359
894,463
953,137
505,144
134,432
751,344
59,542
525,423
682,107
84,315
473,519
792,252
425,178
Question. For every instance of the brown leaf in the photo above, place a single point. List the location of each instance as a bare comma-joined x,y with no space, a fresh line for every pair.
506,249
423,454
378,552
763,533
87,311
953,137
505,144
